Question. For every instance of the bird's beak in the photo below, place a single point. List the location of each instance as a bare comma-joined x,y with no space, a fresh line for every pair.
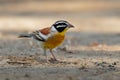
71,26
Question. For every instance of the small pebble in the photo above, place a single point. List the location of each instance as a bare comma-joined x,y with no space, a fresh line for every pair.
114,63
111,66
75,63
104,62
26,75
7,79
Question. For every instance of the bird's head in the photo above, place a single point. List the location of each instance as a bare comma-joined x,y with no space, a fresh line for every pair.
61,26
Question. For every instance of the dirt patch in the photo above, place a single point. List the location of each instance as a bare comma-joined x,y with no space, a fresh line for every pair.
95,58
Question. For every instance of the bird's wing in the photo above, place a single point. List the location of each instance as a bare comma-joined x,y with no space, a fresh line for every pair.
45,31
42,34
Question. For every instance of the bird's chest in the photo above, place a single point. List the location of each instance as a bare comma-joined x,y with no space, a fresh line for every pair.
54,41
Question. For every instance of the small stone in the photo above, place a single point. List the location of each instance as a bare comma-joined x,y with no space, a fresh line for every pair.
7,79
70,78
110,66
75,63
114,63
26,75
104,62
69,52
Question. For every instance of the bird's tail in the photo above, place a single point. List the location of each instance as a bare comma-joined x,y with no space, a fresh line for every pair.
25,36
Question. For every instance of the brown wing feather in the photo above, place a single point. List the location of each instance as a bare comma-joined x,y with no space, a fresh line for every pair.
45,31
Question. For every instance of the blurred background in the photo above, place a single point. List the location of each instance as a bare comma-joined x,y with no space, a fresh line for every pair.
91,51
87,15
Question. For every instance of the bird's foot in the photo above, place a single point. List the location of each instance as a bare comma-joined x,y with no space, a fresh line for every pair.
53,60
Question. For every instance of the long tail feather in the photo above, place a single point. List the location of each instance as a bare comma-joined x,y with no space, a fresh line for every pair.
35,35
25,36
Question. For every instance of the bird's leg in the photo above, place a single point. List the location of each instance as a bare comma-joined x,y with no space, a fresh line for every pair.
45,54
54,58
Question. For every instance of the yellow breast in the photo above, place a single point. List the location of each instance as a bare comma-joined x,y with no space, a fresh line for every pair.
53,41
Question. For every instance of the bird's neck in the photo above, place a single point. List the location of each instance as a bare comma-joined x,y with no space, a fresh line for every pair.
63,32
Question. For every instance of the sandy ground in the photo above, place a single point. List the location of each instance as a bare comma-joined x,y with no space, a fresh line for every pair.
91,51
83,56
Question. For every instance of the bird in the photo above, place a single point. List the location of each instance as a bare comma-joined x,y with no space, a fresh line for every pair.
51,37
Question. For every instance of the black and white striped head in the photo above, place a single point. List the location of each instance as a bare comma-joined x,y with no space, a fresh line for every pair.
61,26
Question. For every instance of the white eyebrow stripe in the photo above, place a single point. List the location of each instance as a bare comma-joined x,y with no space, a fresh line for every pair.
61,26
